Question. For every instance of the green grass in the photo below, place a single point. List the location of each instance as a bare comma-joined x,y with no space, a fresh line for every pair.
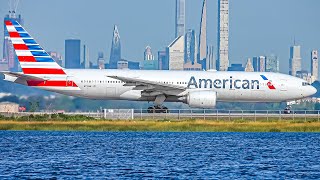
164,126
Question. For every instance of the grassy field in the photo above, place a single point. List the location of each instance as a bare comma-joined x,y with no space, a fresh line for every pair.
164,126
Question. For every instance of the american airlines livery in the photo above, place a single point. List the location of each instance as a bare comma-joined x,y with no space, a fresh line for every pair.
198,89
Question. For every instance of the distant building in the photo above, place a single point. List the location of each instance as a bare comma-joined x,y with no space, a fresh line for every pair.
202,50
272,63
115,54
125,64
190,47
9,57
190,52
210,59
259,63
305,75
9,107
255,64
133,65
189,66
163,64
122,64
86,60
180,18
314,65
249,66
148,54
175,54
57,57
262,62
223,35
72,53
101,60
151,65
236,67
149,62
295,60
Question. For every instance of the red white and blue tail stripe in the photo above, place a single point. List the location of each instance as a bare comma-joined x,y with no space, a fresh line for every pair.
39,69
33,59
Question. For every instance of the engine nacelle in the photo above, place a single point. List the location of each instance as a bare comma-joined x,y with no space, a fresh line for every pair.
202,99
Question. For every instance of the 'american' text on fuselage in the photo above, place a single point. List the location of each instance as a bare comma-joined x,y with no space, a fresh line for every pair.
223,83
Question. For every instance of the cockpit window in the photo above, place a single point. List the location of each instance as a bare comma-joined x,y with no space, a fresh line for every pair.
305,84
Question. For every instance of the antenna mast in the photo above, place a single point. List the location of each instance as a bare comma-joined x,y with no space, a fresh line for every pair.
13,5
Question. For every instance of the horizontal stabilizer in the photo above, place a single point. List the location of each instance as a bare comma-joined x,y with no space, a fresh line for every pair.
23,76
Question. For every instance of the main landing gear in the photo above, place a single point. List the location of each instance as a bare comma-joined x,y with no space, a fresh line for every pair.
287,110
158,109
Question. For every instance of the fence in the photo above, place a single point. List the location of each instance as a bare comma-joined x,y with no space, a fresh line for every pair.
186,114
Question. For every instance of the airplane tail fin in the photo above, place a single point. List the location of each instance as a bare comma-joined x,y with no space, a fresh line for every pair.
33,59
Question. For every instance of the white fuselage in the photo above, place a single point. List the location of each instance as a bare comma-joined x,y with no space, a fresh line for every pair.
230,86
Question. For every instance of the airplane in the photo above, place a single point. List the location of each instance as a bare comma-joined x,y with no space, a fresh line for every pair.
198,89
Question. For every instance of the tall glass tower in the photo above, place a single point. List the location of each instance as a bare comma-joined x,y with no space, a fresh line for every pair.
190,47
223,35
314,64
115,54
203,37
295,60
72,53
180,17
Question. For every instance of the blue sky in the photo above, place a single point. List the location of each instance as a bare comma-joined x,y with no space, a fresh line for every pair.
257,27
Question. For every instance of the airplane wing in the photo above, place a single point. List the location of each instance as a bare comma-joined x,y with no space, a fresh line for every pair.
150,86
23,76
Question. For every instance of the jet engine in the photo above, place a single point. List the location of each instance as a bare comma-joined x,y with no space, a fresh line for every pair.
202,99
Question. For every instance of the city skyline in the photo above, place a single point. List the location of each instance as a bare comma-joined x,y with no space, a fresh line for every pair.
279,28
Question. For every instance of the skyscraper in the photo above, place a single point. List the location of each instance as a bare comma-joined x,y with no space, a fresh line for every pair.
190,47
8,52
163,63
259,63
314,65
56,57
101,60
255,64
115,54
149,62
180,18
272,63
223,35
295,60
191,52
249,66
203,36
175,54
262,62
72,53
210,59
86,60
148,54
